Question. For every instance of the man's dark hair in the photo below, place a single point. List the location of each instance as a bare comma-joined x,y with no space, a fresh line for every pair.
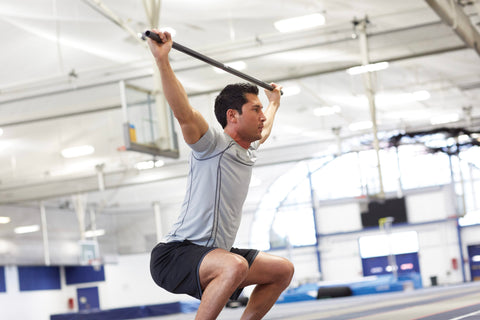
232,97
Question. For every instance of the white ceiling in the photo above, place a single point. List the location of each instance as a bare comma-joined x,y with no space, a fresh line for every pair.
62,60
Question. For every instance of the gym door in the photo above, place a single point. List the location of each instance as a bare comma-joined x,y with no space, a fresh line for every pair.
88,299
474,261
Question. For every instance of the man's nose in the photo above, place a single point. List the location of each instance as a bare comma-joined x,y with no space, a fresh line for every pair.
262,117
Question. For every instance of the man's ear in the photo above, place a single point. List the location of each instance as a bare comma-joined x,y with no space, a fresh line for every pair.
232,115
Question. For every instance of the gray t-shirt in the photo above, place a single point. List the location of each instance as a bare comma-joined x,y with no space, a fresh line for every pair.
218,181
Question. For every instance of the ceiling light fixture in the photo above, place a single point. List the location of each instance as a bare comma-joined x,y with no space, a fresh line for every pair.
150,164
94,233
367,68
5,220
326,111
421,95
360,125
79,151
300,23
445,118
27,229
386,98
237,65
1,132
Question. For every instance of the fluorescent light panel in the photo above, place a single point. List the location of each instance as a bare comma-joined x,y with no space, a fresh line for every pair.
27,229
5,220
79,151
326,111
94,233
361,125
367,68
300,23
144,165
446,118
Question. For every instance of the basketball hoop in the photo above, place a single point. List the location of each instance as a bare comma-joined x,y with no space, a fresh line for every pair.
96,264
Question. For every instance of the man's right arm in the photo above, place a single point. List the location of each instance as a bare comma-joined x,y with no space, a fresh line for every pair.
192,123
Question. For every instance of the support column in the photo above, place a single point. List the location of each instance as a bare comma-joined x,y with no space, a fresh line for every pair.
370,91
78,202
158,221
46,248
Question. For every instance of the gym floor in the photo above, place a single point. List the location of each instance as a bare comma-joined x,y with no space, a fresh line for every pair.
459,302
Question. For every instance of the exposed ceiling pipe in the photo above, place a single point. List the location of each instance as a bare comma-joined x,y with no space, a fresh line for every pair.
190,94
454,16
361,26
101,8
139,69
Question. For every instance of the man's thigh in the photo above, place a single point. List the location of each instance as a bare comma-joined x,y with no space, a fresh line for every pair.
266,269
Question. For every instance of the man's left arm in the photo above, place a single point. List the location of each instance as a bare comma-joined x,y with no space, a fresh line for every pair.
274,103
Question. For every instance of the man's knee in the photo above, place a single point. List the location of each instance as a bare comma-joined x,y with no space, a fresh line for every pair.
287,270
236,268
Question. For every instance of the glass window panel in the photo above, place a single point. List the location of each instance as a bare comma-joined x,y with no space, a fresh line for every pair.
294,225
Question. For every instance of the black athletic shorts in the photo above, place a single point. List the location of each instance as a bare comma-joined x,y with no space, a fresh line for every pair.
174,266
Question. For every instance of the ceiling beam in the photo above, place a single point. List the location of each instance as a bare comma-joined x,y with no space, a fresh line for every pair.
454,16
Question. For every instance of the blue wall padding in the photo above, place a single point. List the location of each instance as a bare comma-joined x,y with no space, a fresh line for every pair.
130,312
3,285
39,278
83,274
302,293
369,285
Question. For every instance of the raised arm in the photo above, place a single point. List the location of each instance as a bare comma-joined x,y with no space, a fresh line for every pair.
192,123
274,104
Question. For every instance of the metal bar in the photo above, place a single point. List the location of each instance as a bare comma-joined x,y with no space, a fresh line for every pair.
213,62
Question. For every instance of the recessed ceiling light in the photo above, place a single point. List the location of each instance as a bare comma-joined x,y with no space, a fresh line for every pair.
360,125
5,220
94,233
79,151
421,95
367,68
150,164
326,111
445,118
300,23
27,229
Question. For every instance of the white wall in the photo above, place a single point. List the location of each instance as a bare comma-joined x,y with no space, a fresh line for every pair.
126,284
30,305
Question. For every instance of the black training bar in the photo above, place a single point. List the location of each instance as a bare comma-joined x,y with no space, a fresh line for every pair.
199,56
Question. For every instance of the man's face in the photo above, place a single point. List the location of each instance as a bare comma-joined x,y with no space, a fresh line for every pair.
252,118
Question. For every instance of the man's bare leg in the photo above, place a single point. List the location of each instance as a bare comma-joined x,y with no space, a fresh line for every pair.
221,273
272,275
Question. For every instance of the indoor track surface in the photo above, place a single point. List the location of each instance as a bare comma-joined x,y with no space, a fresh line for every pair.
459,302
